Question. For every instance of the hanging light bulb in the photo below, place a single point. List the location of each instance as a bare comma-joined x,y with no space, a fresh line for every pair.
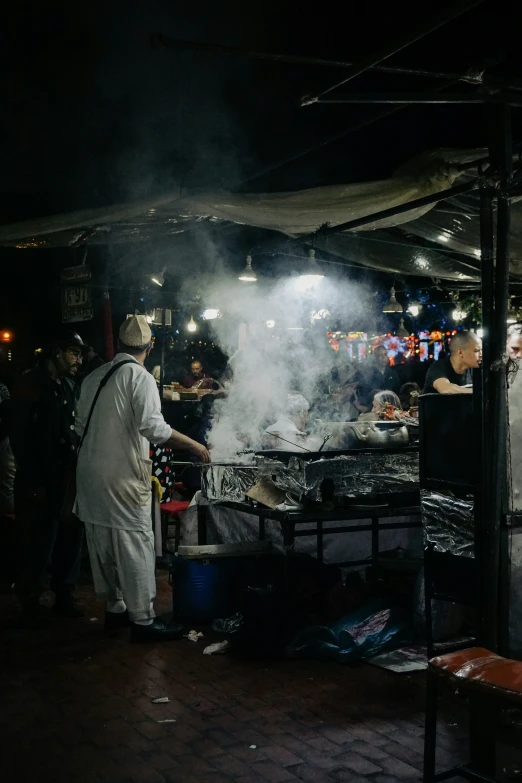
210,314
192,325
311,275
248,275
393,305
402,331
458,315
414,309
159,277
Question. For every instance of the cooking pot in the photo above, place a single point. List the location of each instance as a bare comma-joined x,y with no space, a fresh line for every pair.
364,434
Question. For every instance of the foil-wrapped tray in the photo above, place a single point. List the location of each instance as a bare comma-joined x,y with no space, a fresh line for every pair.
302,478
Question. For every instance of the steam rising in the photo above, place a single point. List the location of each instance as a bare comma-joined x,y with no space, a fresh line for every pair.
291,356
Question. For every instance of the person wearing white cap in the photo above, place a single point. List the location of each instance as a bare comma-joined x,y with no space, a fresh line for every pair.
119,413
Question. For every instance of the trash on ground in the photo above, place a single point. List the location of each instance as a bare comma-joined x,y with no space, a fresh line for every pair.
217,647
193,636
228,625
94,620
161,700
167,720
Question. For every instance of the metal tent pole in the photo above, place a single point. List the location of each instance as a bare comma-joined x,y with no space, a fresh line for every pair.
495,411
426,27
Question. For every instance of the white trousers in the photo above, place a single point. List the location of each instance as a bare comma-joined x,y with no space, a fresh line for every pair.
123,563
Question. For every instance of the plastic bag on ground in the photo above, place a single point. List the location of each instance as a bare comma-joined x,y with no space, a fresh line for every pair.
372,629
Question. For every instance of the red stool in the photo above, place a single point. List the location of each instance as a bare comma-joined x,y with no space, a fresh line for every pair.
491,683
172,511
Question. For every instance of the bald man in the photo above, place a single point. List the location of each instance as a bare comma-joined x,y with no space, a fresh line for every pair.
453,375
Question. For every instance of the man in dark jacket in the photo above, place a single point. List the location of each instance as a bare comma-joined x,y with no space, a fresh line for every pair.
44,444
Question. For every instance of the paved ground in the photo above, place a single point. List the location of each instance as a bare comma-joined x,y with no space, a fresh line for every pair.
76,708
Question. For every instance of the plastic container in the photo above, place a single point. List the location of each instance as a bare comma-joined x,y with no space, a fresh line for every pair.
201,589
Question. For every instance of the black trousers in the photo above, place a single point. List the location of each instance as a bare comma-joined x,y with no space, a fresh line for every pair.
45,540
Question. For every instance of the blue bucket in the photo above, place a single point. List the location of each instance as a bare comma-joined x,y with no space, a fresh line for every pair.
201,589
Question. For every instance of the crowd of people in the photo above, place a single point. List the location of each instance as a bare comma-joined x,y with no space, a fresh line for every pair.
76,459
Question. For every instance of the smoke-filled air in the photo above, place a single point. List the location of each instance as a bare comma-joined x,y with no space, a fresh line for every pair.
275,336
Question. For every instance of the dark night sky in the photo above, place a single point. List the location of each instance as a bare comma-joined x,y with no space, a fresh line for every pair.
93,114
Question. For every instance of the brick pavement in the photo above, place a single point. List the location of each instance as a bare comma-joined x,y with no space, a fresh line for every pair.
76,708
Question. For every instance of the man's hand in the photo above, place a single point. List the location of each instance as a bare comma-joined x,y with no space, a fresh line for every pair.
201,452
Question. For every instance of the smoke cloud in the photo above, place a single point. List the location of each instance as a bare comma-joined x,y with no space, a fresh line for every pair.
268,362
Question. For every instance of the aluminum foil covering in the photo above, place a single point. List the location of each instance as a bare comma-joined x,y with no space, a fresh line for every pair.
227,482
361,474
448,523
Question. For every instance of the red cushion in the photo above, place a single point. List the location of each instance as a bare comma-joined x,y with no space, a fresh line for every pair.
175,506
480,668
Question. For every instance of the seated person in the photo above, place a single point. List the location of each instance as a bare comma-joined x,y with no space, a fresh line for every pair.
514,341
377,374
382,400
197,378
335,394
291,426
408,395
453,375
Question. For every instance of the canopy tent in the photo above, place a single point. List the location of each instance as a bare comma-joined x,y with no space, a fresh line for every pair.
300,213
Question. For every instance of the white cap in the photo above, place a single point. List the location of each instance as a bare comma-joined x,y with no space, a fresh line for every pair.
135,331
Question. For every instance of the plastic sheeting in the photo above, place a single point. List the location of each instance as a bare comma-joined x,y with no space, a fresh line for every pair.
448,523
228,526
292,213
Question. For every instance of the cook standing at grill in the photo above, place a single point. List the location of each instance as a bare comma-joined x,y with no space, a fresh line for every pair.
119,413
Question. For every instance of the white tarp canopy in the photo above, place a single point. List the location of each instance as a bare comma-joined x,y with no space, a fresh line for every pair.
291,213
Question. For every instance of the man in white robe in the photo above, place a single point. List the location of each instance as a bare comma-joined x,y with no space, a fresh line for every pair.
114,482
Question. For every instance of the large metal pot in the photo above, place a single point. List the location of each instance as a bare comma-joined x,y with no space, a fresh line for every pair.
386,434
365,434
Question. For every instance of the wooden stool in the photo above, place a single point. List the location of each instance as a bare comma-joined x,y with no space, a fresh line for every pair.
492,682
172,511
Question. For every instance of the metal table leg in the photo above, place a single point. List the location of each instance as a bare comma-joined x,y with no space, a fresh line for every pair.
262,527
320,537
288,536
202,525
375,542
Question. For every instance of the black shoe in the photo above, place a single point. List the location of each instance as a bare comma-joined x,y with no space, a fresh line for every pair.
35,616
66,606
157,631
115,621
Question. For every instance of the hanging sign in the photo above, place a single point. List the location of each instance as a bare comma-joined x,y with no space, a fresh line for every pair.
76,294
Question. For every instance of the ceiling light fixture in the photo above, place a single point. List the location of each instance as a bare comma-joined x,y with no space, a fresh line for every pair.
311,275
192,325
414,309
159,277
402,331
248,275
210,314
393,305
270,324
